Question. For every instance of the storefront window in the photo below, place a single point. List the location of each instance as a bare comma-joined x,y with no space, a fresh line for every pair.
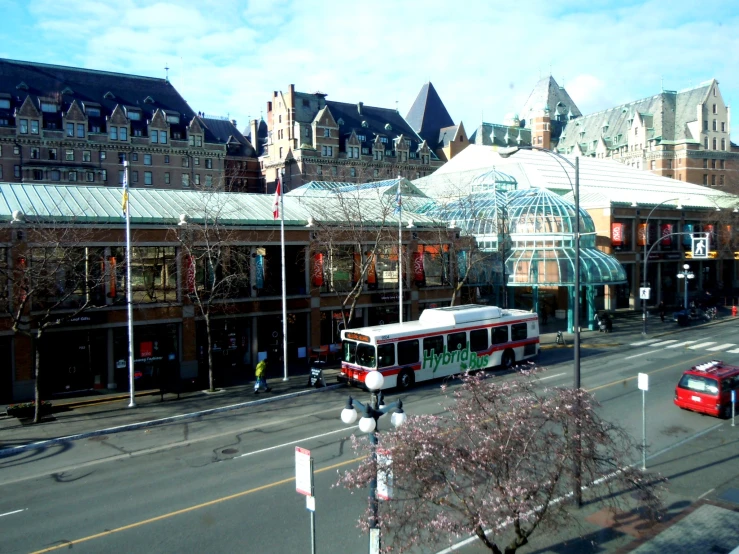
153,273
66,277
432,269
340,271
387,267
220,272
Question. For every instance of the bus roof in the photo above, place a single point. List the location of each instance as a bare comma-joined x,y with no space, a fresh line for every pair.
443,317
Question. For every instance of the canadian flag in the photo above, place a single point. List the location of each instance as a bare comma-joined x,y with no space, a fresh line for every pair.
276,205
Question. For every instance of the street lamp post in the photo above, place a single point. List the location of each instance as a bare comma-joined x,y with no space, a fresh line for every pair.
644,274
576,316
687,275
372,412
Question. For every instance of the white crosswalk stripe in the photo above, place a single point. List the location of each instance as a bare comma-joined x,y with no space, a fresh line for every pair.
642,343
735,351
720,347
679,344
663,343
701,345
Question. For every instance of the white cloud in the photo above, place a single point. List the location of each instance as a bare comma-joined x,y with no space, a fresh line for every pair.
227,56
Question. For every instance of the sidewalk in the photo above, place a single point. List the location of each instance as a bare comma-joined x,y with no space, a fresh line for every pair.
100,411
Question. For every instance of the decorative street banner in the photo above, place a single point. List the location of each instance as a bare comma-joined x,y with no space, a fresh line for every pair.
318,269
665,232
617,234
260,271
418,273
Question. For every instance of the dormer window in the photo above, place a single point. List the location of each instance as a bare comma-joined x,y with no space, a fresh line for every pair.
383,140
21,86
92,112
4,104
109,95
48,107
134,115
173,118
148,100
361,138
327,132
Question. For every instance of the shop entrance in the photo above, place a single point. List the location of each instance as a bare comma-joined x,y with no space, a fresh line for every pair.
71,361
155,355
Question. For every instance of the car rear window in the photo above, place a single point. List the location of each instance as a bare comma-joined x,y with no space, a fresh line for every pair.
697,383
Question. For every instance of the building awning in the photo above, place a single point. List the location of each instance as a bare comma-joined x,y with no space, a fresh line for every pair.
555,266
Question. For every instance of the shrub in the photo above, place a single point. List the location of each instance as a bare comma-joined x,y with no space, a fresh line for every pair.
27,409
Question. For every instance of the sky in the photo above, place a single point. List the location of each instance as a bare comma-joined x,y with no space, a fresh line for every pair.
226,57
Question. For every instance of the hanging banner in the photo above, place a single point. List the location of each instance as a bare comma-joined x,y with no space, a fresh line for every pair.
189,274
617,234
22,265
726,235
665,232
418,274
641,236
112,277
371,273
688,239
317,272
259,271
710,230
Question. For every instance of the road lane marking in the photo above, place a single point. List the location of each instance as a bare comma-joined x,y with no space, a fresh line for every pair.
551,376
663,343
679,344
169,515
643,342
299,440
735,351
69,544
721,347
706,493
637,355
701,345
13,512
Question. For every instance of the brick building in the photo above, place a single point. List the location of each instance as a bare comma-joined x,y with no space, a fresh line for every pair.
68,125
312,138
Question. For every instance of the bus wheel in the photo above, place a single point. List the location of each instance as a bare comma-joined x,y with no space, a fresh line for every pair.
508,359
405,379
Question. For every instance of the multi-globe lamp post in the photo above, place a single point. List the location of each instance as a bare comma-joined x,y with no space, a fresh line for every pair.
371,413
686,274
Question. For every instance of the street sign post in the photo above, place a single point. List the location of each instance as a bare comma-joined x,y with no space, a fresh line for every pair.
384,489
643,384
644,293
733,406
304,485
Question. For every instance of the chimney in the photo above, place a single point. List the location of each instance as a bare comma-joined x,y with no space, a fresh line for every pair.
359,107
233,122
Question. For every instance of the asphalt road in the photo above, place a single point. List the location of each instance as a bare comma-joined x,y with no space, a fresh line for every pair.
225,482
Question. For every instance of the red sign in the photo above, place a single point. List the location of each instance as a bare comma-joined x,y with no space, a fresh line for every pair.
418,273
617,234
111,277
318,270
371,272
190,274
146,349
665,232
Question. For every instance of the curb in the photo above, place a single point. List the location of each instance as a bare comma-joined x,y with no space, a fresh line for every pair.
12,450
102,400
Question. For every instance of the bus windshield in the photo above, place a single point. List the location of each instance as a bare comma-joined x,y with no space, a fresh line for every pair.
360,354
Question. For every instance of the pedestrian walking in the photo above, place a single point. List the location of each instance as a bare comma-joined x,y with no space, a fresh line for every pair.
662,311
261,381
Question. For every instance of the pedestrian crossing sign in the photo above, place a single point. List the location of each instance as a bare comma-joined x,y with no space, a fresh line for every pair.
700,247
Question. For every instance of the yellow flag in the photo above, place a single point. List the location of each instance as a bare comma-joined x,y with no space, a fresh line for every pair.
124,201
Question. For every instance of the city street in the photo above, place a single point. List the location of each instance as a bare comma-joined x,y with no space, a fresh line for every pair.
225,482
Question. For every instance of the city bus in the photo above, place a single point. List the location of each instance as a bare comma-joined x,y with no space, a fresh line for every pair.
444,341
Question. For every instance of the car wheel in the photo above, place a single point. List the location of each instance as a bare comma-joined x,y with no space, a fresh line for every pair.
508,360
405,379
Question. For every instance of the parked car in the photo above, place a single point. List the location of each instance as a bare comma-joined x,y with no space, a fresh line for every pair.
706,388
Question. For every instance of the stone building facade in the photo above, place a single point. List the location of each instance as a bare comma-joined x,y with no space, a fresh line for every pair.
67,125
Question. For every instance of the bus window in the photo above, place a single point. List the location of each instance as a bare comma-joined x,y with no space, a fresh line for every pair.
408,352
366,355
433,344
456,341
518,331
499,334
350,352
385,355
478,340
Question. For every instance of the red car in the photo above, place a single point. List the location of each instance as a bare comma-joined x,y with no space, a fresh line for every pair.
706,388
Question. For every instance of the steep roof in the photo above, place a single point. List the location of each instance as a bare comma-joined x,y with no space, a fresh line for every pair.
666,116
62,85
225,132
548,94
428,115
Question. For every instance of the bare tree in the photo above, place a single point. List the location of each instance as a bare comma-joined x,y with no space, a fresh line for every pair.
215,261
53,278
352,230
498,465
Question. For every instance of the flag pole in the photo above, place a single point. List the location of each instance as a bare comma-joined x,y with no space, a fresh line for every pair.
129,297
284,285
400,252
